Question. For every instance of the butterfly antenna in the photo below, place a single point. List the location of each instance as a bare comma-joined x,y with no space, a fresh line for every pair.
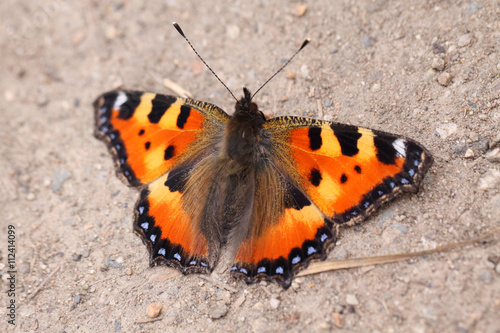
179,30
282,67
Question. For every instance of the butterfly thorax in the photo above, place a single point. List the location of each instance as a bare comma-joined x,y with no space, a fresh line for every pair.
243,132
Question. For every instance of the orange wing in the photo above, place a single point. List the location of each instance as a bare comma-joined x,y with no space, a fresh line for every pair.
158,139
148,134
347,171
332,174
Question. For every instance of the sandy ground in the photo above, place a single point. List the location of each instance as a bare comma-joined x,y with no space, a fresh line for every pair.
79,267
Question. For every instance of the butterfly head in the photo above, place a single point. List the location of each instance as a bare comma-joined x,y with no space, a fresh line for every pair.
245,105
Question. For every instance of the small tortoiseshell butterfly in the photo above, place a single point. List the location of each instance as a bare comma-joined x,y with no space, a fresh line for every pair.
274,191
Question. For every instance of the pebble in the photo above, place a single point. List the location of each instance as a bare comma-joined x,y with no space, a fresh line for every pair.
486,276
493,155
218,311
60,176
154,309
375,87
233,31
78,299
401,227
351,299
473,136
366,41
128,271
337,320
469,153
290,75
445,130
436,48
438,63
429,75
31,196
275,303
464,40
490,180
444,79
299,10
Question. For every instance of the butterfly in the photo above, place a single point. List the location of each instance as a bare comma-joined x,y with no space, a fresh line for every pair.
274,192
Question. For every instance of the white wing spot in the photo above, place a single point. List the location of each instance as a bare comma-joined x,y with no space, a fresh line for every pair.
153,238
400,146
279,270
145,226
161,251
120,99
177,256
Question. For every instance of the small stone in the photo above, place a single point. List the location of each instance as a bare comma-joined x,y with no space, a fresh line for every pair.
218,311
290,75
78,299
401,227
31,196
490,180
436,48
337,320
233,31
444,79
429,75
328,102
375,87
154,309
226,297
366,41
464,40
299,10
77,257
128,271
473,136
351,299
469,153
60,177
275,303
445,130
493,155
486,276
438,63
